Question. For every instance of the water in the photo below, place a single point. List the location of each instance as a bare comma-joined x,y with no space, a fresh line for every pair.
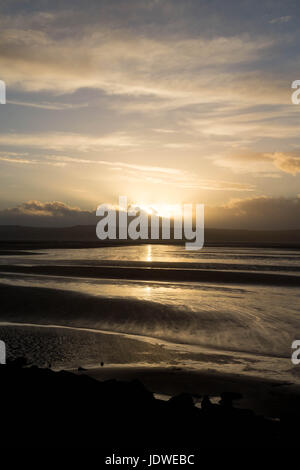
246,259
259,321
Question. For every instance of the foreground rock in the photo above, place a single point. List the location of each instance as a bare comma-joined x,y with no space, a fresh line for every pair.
42,408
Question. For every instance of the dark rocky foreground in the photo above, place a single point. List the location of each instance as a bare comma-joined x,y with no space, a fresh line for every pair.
42,408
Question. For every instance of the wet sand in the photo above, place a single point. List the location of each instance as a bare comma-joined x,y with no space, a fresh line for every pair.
162,370
159,274
70,348
157,367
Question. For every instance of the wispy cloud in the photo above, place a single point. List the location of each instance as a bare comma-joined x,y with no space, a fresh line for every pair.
286,162
57,106
280,19
182,179
244,125
157,175
173,95
23,159
61,141
263,162
124,63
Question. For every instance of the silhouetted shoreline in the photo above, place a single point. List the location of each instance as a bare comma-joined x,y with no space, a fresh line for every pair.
60,409
164,370
84,236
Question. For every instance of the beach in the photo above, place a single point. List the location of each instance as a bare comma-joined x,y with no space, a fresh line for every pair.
201,326
165,369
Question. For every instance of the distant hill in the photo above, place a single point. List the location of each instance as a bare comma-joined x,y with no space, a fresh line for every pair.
85,235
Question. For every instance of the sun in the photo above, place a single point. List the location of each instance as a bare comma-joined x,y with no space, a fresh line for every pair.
161,210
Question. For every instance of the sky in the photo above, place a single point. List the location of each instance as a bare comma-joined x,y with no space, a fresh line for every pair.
163,101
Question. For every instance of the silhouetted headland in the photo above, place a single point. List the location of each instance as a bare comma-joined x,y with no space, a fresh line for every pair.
84,236
43,408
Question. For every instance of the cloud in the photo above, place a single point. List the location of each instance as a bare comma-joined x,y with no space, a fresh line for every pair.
261,162
165,131
54,208
63,141
57,106
53,214
239,123
280,19
259,212
285,162
16,160
134,172
245,161
124,62
161,175
24,159
189,88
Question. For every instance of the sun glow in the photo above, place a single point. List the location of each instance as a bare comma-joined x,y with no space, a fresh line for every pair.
160,210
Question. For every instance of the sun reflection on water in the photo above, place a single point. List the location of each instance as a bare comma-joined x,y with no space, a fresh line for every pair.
149,253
